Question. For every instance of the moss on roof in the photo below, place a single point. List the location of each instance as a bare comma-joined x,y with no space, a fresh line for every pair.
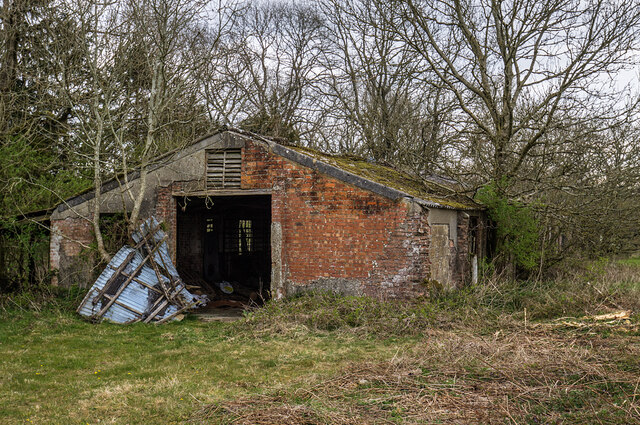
443,194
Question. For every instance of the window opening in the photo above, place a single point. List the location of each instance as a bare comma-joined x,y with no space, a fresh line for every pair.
245,234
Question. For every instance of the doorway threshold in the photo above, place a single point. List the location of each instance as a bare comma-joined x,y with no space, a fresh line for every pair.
220,314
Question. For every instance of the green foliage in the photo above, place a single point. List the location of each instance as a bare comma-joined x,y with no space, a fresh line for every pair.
24,255
34,177
516,228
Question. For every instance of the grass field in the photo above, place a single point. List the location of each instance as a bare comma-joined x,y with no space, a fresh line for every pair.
499,353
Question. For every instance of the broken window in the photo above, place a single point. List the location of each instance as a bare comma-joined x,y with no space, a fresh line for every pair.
245,234
223,168
238,238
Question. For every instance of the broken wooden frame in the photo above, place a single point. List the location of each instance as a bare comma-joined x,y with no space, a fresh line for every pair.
140,284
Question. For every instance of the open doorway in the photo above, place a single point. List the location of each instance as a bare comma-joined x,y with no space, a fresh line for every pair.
224,246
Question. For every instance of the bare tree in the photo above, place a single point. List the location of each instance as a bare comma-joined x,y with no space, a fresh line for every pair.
90,90
222,69
521,70
164,31
385,100
591,201
135,95
263,71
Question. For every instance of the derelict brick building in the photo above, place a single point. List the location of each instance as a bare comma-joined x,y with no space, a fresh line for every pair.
242,208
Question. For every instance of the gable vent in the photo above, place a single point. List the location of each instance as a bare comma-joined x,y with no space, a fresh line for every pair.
223,168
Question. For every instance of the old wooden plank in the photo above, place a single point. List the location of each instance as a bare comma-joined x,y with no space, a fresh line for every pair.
158,274
156,311
121,304
171,316
135,279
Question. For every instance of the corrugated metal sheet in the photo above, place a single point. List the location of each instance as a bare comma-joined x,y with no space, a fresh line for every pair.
161,257
132,288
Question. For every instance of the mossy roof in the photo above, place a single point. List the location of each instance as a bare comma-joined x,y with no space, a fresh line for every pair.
446,193
433,189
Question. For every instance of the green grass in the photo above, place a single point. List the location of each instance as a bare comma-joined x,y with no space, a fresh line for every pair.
633,261
462,357
64,370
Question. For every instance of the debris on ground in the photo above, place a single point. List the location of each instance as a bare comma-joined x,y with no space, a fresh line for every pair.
619,320
611,316
140,283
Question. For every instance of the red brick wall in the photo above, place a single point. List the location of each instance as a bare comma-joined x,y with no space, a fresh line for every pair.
334,235
68,252
331,230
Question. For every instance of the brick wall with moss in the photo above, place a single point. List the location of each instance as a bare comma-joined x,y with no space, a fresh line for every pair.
336,236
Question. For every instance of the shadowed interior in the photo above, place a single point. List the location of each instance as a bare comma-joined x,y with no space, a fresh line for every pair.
226,239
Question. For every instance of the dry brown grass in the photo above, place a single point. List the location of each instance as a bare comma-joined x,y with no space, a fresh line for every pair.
503,352
533,375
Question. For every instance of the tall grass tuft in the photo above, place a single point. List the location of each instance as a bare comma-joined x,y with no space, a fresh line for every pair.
41,299
599,287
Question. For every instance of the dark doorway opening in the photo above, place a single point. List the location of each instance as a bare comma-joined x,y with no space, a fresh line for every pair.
224,246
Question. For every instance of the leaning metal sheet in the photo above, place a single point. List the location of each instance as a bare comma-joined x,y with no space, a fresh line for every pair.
143,293
136,296
161,257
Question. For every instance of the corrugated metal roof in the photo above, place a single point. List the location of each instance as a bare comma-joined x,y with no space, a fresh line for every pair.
131,288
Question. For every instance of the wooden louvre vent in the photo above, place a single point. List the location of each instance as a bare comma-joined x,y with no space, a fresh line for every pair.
223,168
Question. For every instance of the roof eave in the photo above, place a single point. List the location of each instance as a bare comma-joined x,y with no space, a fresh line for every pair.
279,149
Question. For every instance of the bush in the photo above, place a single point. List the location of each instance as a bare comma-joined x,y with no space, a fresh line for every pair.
516,229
